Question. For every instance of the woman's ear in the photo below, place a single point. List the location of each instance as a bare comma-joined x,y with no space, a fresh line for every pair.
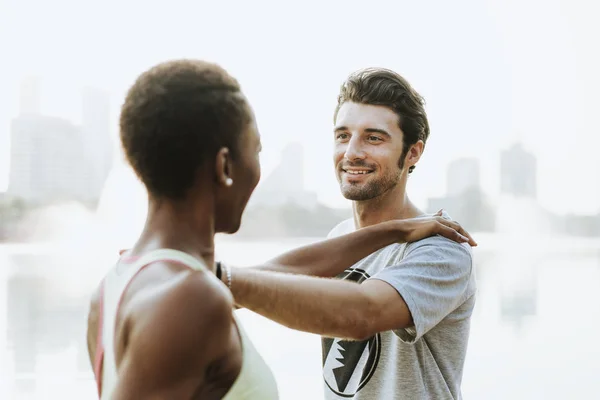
223,167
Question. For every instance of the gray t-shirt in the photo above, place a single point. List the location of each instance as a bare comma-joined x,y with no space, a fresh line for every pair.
435,277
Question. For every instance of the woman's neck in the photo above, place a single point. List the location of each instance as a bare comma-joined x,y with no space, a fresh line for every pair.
187,228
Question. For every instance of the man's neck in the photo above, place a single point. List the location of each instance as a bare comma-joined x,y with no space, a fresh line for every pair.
393,204
179,227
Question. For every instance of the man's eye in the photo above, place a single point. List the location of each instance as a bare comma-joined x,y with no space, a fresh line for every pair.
375,138
342,136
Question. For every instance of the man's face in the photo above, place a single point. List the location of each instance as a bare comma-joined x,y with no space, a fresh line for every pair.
368,148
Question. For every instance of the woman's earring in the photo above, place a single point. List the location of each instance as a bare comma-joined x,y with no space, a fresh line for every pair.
228,182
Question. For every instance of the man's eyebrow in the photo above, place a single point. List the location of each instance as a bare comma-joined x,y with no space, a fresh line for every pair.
380,131
367,130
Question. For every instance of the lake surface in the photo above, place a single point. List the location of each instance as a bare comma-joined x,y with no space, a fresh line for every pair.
535,331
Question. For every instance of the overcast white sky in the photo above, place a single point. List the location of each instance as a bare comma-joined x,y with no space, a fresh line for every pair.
492,72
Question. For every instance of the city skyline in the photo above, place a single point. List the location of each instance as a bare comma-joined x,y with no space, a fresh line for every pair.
33,85
53,159
484,91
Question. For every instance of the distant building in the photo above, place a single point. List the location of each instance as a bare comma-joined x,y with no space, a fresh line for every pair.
97,146
46,160
580,225
465,200
462,175
285,185
471,208
518,172
55,160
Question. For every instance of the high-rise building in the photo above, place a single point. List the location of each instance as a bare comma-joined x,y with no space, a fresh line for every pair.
95,129
46,160
54,160
286,183
462,175
465,200
518,172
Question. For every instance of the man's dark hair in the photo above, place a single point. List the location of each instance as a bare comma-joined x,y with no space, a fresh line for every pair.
175,118
383,87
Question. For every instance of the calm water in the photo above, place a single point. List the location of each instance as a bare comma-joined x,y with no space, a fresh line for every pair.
534,335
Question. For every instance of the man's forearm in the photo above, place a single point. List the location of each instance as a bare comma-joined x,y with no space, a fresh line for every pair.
268,294
331,257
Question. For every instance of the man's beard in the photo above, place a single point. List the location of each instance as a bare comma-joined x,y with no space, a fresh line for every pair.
372,188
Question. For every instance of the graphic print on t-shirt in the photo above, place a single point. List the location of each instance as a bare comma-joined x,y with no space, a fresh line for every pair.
349,365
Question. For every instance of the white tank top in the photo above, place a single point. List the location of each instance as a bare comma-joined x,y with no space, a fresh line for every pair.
255,380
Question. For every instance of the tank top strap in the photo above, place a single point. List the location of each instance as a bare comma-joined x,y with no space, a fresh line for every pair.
163,255
113,287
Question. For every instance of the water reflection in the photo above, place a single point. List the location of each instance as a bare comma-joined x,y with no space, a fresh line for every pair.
534,331
518,295
45,332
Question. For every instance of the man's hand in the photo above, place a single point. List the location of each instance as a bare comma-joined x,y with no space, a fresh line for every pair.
414,229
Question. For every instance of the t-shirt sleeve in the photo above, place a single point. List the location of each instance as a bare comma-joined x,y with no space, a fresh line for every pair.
342,228
433,279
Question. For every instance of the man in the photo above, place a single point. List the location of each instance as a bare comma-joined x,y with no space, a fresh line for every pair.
396,325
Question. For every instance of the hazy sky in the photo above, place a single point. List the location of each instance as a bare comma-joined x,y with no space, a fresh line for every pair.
491,71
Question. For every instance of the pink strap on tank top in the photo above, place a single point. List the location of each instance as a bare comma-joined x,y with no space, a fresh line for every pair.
99,354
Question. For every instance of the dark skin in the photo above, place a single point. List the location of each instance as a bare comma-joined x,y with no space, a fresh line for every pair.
195,352
179,368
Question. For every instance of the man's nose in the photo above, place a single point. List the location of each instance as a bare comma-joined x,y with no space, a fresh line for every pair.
355,150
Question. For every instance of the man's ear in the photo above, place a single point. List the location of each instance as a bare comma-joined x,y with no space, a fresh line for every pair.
414,154
223,167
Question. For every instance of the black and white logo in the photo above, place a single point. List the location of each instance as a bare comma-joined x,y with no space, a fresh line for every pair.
349,365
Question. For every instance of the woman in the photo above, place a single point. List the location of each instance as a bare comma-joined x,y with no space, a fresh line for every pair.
161,323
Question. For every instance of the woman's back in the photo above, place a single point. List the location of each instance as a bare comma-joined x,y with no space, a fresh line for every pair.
162,325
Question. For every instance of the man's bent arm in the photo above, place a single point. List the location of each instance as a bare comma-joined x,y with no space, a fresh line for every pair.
327,307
